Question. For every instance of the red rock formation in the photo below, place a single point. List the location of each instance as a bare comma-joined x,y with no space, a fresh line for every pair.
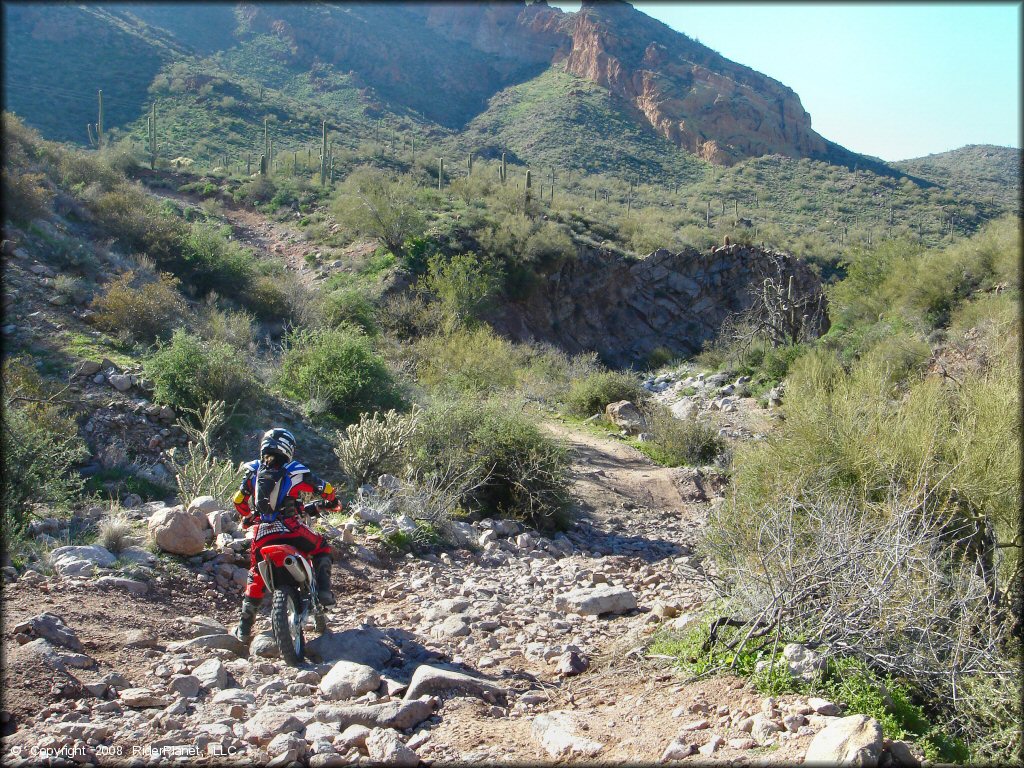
697,99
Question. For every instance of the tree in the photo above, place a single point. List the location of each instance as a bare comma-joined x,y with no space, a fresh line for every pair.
374,204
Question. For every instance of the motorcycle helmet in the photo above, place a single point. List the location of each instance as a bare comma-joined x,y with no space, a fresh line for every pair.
280,441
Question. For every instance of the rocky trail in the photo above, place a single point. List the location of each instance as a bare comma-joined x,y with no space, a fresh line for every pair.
515,648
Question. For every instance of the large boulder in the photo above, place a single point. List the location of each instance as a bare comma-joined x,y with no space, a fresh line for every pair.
365,645
850,741
428,680
346,680
596,600
81,560
52,628
625,415
176,531
393,714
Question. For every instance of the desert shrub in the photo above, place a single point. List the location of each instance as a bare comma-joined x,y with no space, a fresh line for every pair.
26,194
235,328
137,223
348,306
881,585
590,394
145,312
198,471
211,262
374,445
40,447
338,371
474,360
546,373
526,471
259,189
374,204
408,316
677,442
189,372
463,284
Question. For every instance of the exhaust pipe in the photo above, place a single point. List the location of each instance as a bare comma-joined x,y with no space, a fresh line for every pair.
296,570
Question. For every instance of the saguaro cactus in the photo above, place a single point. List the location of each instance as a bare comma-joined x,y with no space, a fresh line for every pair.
469,164
529,183
99,122
92,136
152,138
504,169
263,165
323,153
440,173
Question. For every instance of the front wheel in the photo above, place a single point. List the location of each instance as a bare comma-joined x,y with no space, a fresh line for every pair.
287,617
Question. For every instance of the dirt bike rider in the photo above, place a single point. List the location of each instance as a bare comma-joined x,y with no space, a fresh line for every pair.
274,482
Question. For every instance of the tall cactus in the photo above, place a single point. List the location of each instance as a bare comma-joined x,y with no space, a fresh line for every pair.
440,174
323,153
99,122
469,164
152,139
263,165
529,183
92,136
504,169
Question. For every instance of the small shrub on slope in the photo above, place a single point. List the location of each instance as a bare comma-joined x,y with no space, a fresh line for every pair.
337,370
189,372
148,312
590,395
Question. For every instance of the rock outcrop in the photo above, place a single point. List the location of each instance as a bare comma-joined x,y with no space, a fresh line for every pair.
625,309
689,94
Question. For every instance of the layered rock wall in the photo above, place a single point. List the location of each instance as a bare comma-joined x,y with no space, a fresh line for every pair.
625,309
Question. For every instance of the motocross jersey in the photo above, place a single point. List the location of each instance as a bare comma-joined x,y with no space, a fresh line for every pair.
274,490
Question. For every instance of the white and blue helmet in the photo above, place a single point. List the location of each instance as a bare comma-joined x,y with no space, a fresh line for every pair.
280,441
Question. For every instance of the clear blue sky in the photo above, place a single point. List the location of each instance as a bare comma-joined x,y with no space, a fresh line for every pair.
891,80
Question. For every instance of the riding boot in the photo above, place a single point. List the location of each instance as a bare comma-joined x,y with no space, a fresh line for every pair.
322,564
244,629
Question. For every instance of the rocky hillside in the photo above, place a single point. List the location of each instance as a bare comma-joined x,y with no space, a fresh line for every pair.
452,60
985,171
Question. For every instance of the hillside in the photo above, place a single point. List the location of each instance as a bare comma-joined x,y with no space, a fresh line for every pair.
454,60
982,171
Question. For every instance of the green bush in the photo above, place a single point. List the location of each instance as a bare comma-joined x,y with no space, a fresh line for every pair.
476,360
338,371
463,284
188,372
590,394
525,472
40,447
146,313
677,442
211,262
348,306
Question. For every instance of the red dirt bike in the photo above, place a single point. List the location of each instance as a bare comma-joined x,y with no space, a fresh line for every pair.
288,574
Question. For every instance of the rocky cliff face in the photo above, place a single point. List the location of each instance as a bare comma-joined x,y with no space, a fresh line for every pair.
626,309
454,57
701,101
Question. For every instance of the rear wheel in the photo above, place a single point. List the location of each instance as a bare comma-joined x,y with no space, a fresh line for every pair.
286,617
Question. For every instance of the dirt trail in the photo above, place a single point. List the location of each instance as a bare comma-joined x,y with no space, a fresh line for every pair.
257,231
490,613
608,471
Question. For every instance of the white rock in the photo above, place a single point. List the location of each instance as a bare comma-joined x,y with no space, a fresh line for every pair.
142,698
625,415
850,741
212,674
176,531
823,706
596,600
383,745
346,680
557,733
763,729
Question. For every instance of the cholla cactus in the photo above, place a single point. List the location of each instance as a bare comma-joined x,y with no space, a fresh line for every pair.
375,444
